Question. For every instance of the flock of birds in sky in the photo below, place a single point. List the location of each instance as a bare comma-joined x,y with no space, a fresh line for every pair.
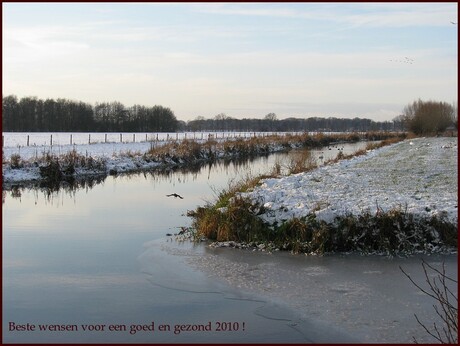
407,60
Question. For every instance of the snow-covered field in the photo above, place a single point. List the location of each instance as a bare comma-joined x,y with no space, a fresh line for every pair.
96,144
48,140
418,174
118,152
105,146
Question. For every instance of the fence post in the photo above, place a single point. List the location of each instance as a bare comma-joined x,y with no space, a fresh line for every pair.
89,138
70,139
134,137
51,140
27,140
121,137
105,138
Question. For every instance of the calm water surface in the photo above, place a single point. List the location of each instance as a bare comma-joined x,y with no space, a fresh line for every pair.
100,256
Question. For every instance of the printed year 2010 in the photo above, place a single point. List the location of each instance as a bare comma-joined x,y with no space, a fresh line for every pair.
229,326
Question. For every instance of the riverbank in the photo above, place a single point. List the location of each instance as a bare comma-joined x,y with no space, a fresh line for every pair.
401,198
74,162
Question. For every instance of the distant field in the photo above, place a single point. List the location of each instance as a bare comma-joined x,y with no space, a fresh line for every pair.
98,144
15,139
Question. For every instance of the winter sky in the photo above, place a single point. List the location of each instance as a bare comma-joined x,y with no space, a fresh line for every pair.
242,59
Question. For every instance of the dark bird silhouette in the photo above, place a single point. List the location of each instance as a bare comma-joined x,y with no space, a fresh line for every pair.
175,195
454,23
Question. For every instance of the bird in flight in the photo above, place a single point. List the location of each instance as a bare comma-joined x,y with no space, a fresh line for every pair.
175,195
454,23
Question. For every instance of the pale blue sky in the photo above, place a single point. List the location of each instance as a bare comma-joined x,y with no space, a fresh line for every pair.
242,59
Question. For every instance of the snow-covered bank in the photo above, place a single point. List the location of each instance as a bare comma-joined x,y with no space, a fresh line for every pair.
115,158
418,175
400,198
27,164
22,164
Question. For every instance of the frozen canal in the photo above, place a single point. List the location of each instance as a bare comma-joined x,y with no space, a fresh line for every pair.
99,256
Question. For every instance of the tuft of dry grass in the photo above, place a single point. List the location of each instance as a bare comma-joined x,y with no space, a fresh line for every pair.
15,161
301,162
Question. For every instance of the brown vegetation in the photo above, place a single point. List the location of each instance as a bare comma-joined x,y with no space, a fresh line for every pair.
429,117
234,218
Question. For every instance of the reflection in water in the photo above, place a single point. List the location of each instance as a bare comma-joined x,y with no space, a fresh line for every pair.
51,191
171,175
236,167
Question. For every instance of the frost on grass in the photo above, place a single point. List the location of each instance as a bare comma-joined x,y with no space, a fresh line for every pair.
21,163
418,176
399,198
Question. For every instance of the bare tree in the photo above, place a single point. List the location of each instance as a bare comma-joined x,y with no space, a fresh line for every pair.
270,117
425,117
446,307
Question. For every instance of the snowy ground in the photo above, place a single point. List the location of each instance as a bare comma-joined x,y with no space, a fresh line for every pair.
100,145
20,139
120,152
420,174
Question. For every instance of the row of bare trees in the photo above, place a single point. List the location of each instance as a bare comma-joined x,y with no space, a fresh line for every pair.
61,115
270,122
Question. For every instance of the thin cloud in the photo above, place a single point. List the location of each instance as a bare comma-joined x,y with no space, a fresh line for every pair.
202,59
375,15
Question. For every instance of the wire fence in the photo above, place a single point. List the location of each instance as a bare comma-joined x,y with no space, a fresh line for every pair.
24,139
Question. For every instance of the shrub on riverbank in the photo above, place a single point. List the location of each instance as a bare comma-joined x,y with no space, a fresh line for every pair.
15,161
235,220
56,168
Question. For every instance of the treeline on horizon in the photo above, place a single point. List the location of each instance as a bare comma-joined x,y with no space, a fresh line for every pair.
62,115
30,114
221,122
